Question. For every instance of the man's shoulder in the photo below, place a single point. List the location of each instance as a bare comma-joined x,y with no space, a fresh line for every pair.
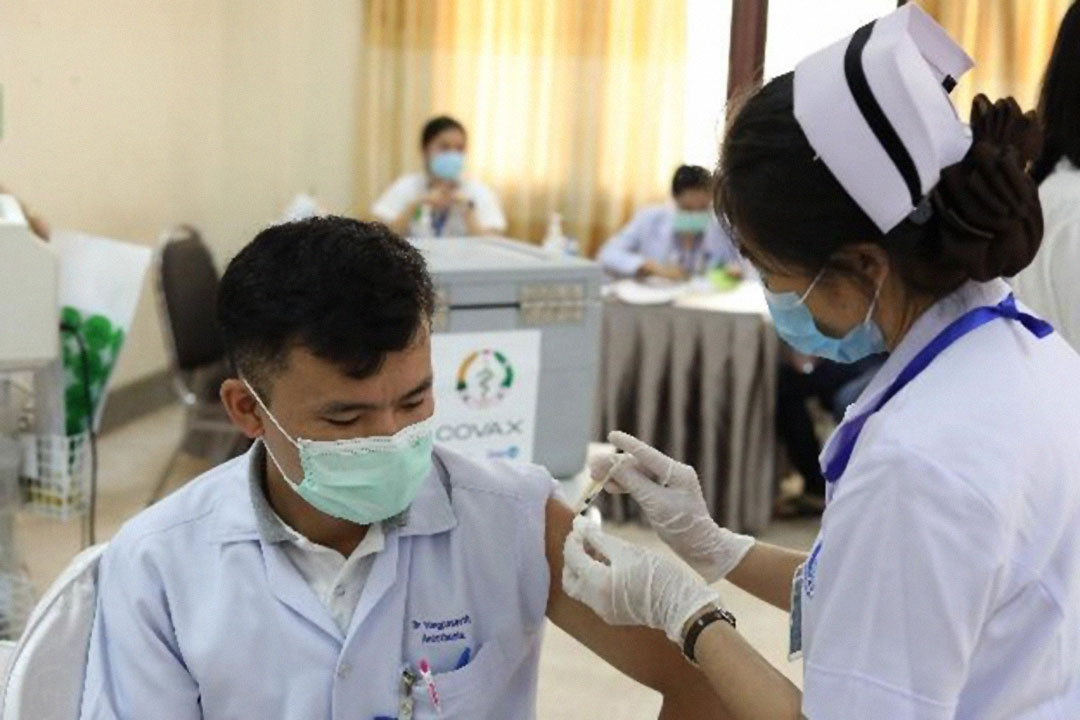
402,190
515,480
652,213
410,181
189,513
477,189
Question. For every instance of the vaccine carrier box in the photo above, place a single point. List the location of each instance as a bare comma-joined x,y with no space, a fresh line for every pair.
515,350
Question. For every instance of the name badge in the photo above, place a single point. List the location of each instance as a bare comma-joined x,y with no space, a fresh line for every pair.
795,621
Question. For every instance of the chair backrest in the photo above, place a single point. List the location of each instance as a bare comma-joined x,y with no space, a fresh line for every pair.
187,290
44,679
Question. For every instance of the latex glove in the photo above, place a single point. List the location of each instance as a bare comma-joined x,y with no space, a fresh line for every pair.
669,494
628,585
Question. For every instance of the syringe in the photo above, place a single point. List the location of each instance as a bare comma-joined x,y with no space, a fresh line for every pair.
594,488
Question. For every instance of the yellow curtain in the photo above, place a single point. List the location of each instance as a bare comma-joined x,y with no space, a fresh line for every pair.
572,106
1010,41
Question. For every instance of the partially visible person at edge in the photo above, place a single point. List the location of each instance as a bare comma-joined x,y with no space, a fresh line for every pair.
1051,284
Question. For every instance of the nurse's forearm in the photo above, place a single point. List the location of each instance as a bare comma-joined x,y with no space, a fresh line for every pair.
766,573
748,686
472,223
400,224
645,655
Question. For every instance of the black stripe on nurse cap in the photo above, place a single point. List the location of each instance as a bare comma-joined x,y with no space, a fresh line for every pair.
873,114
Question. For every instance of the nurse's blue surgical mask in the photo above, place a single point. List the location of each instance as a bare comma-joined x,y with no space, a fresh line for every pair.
686,221
447,165
795,325
362,480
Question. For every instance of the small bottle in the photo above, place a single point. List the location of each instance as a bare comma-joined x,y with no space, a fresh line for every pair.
424,227
554,242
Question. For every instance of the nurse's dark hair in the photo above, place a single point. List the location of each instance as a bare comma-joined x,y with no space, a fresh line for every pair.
347,291
787,211
437,126
1059,101
690,177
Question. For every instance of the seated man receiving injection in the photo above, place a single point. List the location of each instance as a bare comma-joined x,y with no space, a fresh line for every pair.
344,568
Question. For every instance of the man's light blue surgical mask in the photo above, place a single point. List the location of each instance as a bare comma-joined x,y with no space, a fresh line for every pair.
362,480
686,221
797,328
447,165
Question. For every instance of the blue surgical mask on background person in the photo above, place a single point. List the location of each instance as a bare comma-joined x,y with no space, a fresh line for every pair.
795,325
686,221
447,165
362,480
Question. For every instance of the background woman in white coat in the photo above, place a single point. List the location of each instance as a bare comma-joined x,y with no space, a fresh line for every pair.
945,582
441,201
1051,285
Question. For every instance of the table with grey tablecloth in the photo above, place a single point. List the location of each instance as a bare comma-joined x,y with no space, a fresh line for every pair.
697,379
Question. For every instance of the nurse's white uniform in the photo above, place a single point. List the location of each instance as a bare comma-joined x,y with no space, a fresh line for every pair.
945,582
410,188
201,614
1049,285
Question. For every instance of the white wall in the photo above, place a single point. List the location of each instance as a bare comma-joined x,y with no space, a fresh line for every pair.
797,28
708,28
122,117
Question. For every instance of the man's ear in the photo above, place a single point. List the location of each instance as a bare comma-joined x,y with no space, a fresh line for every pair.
241,404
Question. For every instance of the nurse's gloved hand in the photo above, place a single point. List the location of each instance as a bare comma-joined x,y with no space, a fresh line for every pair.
628,585
669,494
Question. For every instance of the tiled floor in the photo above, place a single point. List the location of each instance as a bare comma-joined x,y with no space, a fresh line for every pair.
574,684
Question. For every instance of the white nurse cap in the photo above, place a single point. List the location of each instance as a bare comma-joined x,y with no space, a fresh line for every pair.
875,109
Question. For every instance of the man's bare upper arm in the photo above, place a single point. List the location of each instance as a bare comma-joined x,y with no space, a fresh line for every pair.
643,654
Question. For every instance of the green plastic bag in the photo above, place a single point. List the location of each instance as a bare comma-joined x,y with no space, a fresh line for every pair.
100,283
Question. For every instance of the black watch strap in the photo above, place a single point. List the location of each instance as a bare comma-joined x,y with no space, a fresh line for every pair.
699,625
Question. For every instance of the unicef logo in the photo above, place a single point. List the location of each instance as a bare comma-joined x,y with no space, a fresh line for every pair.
484,378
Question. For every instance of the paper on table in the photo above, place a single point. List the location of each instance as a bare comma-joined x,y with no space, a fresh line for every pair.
633,292
746,299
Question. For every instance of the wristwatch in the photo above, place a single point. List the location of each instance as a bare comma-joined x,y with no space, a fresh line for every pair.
704,620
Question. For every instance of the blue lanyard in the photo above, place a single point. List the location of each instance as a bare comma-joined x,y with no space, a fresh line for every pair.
848,433
438,221
690,258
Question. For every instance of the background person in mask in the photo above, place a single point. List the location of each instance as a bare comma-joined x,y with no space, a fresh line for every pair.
674,241
945,580
312,577
441,201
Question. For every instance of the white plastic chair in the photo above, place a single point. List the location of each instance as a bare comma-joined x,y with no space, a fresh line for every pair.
45,669
7,651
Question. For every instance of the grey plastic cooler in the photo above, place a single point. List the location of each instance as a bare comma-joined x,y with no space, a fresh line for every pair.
489,284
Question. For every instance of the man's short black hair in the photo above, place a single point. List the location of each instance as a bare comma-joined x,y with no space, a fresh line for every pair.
438,125
348,291
691,177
